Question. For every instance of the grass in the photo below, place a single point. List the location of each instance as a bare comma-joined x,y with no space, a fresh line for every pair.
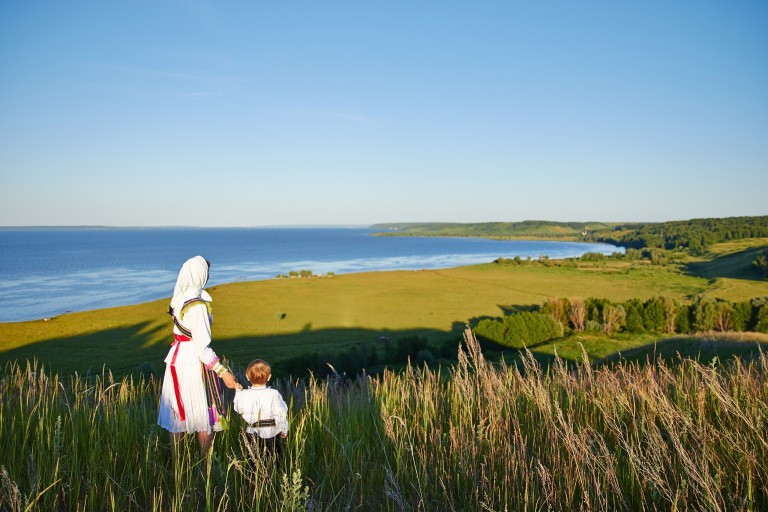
471,437
281,318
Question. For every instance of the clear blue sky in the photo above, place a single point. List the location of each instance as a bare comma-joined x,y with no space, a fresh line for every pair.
251,113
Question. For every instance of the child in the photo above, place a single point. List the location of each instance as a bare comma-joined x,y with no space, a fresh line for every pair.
263,409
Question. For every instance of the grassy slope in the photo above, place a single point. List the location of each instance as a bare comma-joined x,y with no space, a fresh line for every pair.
277,319
544,230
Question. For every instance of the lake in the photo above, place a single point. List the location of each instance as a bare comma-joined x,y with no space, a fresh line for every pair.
49,271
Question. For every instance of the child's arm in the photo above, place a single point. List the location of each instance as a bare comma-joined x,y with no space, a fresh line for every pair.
237,402
280,410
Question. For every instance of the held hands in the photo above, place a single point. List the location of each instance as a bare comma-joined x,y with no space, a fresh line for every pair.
230,381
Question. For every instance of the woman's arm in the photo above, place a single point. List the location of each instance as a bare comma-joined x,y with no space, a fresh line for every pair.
198,321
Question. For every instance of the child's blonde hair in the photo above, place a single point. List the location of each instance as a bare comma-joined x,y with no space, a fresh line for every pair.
258,372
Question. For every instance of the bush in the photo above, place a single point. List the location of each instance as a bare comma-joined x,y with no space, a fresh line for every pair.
592,256
399,350
425,356
593,326
760,264
520,329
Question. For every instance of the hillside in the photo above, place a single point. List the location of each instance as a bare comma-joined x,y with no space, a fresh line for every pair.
525,229
283,319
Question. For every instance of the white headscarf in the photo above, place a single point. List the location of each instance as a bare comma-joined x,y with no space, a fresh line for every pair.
189,285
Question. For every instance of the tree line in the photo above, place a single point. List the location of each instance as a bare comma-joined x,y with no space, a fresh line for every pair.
693,235
558,317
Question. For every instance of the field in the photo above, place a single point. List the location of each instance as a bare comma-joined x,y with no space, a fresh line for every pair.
281,318
657,424
476,437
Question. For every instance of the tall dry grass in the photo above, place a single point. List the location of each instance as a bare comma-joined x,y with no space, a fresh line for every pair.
476,436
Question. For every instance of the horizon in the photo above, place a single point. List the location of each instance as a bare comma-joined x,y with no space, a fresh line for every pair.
247,114
352,226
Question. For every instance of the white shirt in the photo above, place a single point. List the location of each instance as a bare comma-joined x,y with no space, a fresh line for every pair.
262,403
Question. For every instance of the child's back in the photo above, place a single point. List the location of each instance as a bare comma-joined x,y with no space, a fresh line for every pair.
262,408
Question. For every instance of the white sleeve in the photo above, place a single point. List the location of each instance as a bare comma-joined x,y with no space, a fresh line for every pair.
236,401
280,411
197,320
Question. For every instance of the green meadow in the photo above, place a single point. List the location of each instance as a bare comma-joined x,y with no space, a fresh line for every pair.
281,318
475,436
585,422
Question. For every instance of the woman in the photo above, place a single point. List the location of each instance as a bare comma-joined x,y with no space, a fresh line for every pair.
190,399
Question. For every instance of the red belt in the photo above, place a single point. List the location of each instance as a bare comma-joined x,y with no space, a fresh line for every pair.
178,338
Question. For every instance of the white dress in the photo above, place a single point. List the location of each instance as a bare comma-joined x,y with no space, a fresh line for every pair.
185,357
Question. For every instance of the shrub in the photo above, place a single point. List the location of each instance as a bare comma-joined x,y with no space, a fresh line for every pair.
592,256
593,326
425,356
520,329
408,346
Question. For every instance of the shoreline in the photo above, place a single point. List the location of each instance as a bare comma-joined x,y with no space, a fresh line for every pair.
282,277
34,296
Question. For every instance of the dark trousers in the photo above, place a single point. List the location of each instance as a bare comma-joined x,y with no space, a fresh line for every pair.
271,448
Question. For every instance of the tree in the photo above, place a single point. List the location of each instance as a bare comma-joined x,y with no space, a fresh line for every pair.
613,317
723,316
761,264
558,308
704,312
653,314
741,316
670,306
657,256
762,319
634,316
577,313
595,307
683,319
757,303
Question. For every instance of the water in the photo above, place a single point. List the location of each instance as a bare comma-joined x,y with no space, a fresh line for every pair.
47,272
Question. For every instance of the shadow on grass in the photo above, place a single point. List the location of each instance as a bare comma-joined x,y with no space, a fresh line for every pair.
517,308
121,350
704,349
737,265
128,350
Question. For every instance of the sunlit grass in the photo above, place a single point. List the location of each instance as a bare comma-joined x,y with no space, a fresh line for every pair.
281,318
475,436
